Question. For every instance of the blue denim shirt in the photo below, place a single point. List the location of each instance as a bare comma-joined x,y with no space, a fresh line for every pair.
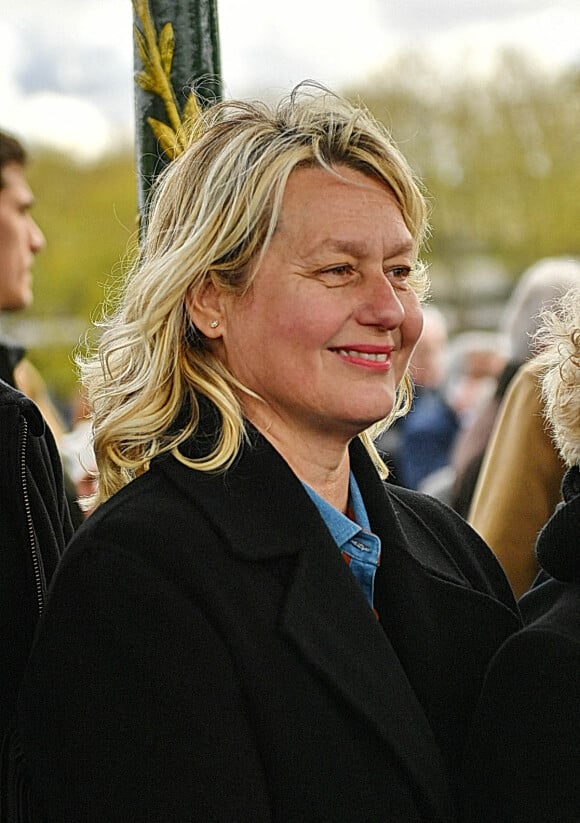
360,547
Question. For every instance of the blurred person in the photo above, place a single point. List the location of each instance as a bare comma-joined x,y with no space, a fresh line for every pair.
78,455
20,237
540,285
35,526
20,241
520,479
521,472
420,442
475,358
34,516
473,361
252,625
427,365
522,760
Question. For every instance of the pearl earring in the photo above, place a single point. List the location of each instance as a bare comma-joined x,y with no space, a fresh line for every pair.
214,324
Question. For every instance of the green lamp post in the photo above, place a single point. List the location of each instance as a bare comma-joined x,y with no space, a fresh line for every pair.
177,73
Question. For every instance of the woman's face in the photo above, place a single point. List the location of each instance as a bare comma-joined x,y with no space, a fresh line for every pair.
326,332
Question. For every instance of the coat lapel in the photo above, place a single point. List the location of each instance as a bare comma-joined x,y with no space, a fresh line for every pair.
329,621
325,615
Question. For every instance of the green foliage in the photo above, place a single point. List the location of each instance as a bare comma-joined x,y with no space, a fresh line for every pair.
500,157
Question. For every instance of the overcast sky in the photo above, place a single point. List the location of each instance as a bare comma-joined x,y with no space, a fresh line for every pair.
66,66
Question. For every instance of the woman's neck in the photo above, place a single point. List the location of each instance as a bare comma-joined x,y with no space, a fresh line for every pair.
317,459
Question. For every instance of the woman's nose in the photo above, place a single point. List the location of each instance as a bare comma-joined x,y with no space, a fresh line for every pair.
381,306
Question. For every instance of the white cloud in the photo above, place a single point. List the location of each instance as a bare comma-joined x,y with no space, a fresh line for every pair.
548,35
73,125
420,17
66,67
283,44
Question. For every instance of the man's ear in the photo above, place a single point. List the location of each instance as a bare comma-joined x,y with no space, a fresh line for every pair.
204,308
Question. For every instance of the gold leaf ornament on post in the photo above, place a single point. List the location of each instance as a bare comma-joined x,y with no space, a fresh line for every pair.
156,54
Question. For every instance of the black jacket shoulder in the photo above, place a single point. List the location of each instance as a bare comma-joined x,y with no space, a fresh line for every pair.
35,526
455,540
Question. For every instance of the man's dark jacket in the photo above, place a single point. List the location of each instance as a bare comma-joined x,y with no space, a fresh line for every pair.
10,356
34,528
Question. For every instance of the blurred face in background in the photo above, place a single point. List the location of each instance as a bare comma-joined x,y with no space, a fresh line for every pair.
20,239
428,366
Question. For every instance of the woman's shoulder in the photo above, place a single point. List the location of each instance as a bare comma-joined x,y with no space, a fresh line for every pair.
140,521
420,505
423,517
417,510
132,501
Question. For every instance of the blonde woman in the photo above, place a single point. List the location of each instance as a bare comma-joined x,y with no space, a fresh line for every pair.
523,762
252,626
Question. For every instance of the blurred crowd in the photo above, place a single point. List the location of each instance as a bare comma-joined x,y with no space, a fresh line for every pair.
475,436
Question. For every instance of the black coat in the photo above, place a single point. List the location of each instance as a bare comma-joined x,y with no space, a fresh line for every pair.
34,528
208,656
523,759
10,357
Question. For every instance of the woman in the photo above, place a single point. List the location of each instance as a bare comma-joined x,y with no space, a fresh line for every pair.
523,759
210,654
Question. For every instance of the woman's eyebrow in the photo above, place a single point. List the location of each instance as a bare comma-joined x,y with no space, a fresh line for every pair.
360,249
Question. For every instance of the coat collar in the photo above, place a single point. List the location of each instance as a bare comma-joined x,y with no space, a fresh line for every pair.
14,403
10,355
261,488
557,546
325,614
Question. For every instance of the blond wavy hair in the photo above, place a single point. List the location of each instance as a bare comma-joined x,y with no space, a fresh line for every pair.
212,213
559,363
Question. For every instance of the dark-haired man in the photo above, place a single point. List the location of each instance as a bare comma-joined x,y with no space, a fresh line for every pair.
34,515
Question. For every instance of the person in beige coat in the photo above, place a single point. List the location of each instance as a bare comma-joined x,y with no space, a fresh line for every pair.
519,484
521,760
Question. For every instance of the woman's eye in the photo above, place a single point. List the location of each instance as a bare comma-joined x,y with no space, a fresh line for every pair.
343,269
400,272
336,275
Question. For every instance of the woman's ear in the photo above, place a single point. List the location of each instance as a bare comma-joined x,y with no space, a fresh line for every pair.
204,308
